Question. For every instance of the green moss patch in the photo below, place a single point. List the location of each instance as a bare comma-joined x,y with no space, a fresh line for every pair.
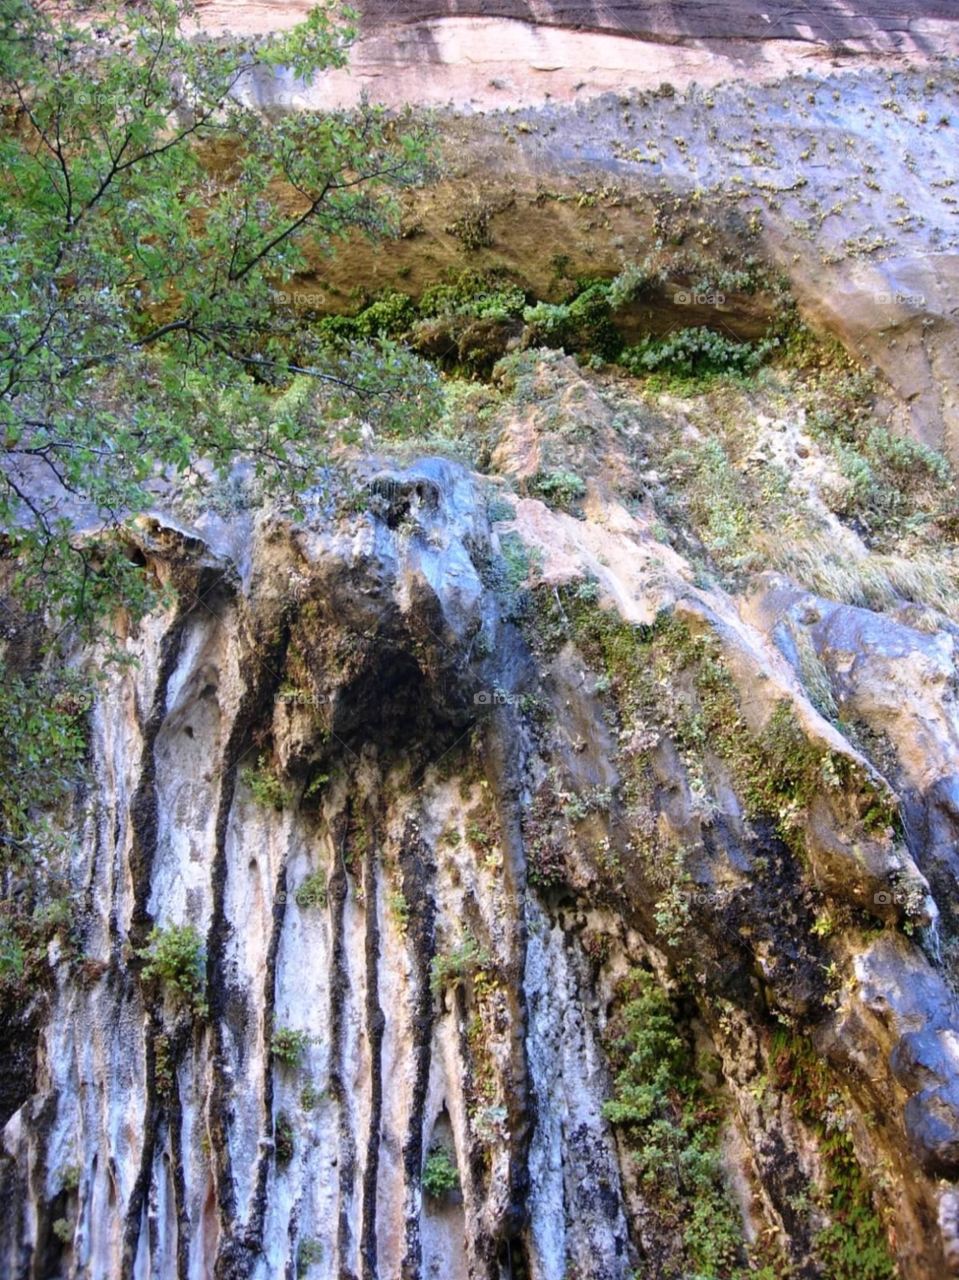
671,1127
855,1244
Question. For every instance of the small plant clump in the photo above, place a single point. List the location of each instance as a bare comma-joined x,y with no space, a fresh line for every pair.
672,1128
289,1046
316,785
164,1068
391,315
452,969
894,485
633,280
312,892
265,786
581,325
696,353
558,488
577,807
399,909
473,227
63,1230
475,295
176,958
855,1244
308,1254
440,1175
514,566
310,1096
718,502
547,863
498,510
283,1138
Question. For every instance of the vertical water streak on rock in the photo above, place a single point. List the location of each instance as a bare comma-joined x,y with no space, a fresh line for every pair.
254,1231
175,1118
116,879
231,1261
292,1267
339,986
89,797
144,810
151,1119
217,1104
43,1119
506,767
417,876
473,1174
375,1023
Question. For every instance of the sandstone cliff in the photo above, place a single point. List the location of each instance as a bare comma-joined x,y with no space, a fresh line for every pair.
558,825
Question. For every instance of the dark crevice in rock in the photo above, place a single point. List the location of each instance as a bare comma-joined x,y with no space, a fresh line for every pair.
138,1200
473,1159
174,1115
417,869
507,771
21,1033
116,879
144,818
232,1261
44,1259
254,1230
339,888
291,1268
144,808
375,1026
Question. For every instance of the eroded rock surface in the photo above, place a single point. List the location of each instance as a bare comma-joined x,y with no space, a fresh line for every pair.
368,743
597,700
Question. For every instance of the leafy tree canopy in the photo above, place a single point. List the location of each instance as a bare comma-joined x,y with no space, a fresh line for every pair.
149,218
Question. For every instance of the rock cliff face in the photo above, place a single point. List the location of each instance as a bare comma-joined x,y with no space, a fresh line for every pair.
542,859
433,775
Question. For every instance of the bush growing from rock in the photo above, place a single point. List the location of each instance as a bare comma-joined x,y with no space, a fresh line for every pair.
176,958
440,1175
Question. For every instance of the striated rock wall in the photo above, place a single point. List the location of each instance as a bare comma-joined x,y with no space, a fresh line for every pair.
878,25
842,177
443,767
435,774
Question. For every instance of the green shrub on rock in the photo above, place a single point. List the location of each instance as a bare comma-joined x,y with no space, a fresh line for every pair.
581,325
265,786
283,1139
440,1174
309,1253
696,353
290,1046
558,488
463,962
176,958
672,1128
854,1245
